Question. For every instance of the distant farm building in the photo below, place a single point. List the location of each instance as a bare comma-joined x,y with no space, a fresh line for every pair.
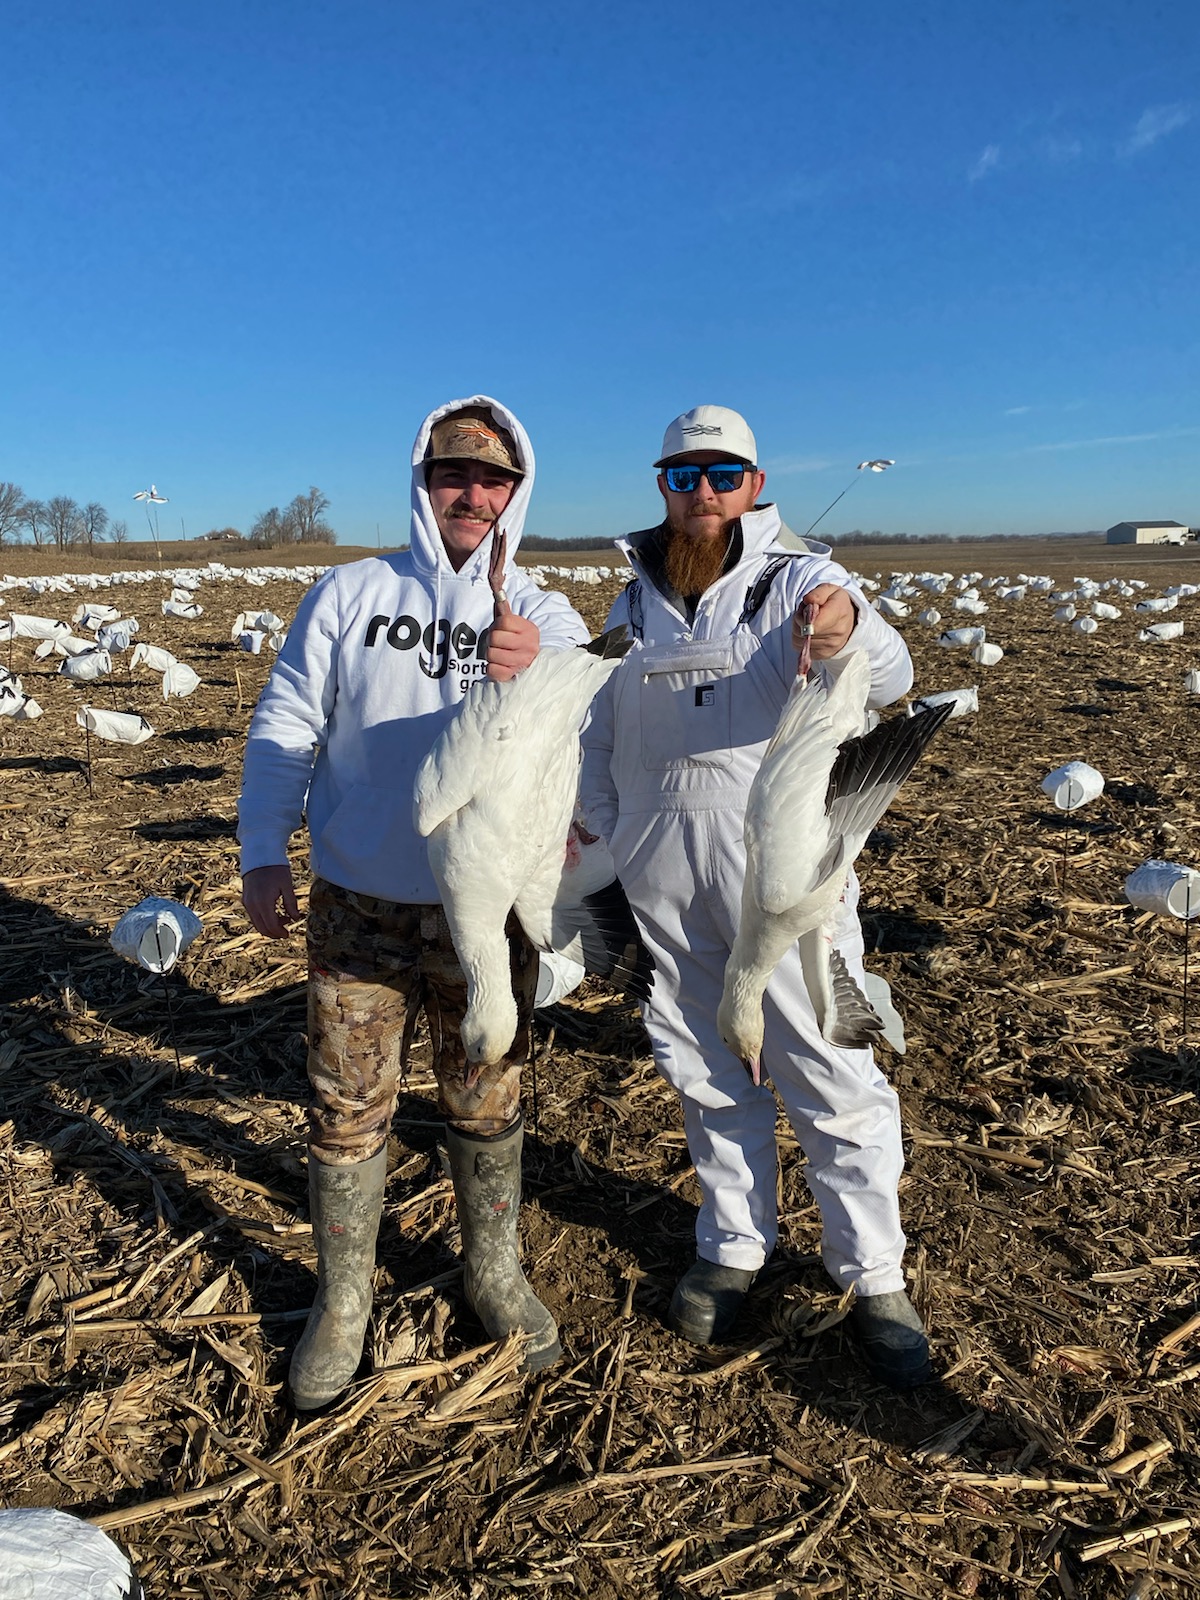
1148,533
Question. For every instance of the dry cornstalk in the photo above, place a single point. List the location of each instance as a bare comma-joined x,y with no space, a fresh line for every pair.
1133,1537
1140,1458
1012,1482
1171,1341
1010,1158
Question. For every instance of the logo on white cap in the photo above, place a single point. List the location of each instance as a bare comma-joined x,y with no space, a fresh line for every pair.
718,423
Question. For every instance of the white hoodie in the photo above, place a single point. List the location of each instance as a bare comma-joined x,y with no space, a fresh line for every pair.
374,666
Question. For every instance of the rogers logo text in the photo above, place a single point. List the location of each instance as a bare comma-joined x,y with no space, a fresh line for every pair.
459,648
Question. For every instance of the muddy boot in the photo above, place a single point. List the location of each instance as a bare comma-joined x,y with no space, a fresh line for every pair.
707,1300
487,1186
893,1339
345,1204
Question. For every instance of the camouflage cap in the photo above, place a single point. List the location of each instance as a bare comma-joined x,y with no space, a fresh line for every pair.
473,434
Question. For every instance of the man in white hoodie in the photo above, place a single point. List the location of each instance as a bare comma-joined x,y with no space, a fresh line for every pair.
673,746
377,661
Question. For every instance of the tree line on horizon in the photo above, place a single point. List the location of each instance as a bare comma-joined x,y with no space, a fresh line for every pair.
61,523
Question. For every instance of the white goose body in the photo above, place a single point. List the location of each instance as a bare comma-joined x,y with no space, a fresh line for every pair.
819,791
495,797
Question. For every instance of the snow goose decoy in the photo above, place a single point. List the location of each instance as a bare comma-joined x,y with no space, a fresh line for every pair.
495,798
818,793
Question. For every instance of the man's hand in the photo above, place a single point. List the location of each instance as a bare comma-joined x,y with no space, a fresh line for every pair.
262,891
833,623
512,644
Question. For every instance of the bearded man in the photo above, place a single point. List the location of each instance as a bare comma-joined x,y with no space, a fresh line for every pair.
675,740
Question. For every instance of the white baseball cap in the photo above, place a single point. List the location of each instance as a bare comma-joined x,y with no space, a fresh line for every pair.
709,428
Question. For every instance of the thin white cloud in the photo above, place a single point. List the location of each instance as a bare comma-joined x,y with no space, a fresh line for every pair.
775,199
1061,148
1017,411
988,159
1113,439
1155,123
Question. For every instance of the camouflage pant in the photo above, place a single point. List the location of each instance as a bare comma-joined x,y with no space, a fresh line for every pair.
372,964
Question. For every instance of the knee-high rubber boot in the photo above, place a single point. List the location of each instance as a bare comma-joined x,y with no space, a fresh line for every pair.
487,1186
346,1204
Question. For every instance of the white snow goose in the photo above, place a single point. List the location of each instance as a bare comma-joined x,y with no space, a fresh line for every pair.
818,793
495,797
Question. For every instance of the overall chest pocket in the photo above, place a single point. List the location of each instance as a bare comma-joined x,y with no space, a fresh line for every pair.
686,705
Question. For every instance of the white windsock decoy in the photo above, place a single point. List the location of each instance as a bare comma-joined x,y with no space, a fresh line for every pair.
962,701
1191,681
987,654
962,638
1065,614
1160,633
888,607
1165,887
1106,613
179,679
121,727
822,786
87,666
1073,785
1084,625
53,1555
930,617
152,656
18,625
495,798
155,933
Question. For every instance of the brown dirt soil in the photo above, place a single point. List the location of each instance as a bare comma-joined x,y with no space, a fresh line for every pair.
158,1254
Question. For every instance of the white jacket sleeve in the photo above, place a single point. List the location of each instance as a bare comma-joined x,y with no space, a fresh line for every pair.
289,722
891,664
558,623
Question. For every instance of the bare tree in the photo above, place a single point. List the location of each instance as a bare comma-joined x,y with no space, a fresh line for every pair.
37,520
63,521
307,513
118,532
93,520
272,528
12,512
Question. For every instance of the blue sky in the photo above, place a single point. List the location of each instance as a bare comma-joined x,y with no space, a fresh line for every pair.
248,246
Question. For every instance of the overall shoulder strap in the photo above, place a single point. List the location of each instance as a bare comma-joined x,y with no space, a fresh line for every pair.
758,591
637,610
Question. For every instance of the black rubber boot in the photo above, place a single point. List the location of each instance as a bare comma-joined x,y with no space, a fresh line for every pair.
487,1186
707,1300
345,1204
893,1339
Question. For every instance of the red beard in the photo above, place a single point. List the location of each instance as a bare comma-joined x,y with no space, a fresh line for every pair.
693,564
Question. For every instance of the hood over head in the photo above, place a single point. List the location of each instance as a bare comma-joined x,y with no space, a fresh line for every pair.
438,442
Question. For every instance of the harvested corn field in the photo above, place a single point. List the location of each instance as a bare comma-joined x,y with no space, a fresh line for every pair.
158,1252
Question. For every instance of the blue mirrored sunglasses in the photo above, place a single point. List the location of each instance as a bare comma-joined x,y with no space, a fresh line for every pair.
722,477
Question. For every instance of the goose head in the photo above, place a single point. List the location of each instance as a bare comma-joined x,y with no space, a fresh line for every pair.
488,1030
740,1023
